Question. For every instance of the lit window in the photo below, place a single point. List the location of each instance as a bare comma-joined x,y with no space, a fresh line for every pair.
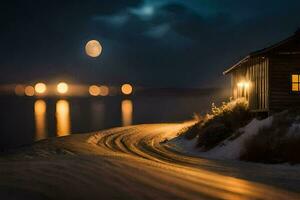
295,82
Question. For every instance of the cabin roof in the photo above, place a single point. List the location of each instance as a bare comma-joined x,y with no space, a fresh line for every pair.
262,51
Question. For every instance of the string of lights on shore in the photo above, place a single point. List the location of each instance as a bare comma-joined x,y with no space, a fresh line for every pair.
62,88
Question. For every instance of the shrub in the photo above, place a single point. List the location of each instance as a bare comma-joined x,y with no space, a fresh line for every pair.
220,123
279,143
213,134
193,131
233,114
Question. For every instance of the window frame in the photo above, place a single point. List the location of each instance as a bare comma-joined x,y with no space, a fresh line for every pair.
291,83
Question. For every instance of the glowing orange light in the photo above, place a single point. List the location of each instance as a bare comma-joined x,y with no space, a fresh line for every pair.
94,90
104,90
40,88
295,82
93,48
243,84
126,89
247,85
29,91
62,88
40,119
63,118
127,109
19,90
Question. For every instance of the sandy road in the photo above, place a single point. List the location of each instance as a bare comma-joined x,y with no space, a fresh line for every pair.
133,163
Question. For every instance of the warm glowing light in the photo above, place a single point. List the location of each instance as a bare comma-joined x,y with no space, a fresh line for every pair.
240,84
126,89
295,82
40,119
93,48
40,88
295,87
19,90
40,107
127,109
246,85
243,89
243,84
29,91
104,90
63,118
94,90
62,88
295,78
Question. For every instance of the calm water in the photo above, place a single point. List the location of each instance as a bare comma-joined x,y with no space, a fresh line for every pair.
25,120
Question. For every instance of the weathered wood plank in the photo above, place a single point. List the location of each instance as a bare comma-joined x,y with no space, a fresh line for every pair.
281,68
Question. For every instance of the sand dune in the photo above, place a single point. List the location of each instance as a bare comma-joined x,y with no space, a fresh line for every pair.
132,163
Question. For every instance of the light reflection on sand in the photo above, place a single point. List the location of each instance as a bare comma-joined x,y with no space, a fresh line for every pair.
40,119
63,122
127,109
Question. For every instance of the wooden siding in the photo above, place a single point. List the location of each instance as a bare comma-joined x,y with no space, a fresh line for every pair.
269,72
255,72
258,76
281,69
237,76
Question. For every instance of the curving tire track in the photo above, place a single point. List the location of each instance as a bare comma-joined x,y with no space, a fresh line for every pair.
133,163
145,142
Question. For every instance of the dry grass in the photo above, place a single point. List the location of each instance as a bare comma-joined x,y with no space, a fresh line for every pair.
220,124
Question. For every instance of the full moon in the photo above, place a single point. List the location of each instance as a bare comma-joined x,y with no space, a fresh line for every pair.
93,48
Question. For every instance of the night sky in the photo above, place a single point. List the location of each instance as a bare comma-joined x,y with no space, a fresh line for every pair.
159,43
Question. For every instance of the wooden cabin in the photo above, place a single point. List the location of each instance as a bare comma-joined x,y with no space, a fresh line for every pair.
269,78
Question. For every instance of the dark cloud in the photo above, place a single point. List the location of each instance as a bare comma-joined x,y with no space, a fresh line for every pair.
157,43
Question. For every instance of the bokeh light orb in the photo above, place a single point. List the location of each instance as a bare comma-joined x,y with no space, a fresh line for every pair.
40,88
29,91
104,90
62,88
94,90
126,89
93,48
19,90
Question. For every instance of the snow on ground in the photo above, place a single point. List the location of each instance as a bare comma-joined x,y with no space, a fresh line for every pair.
229,149
133,163
184,145
294,130
232,149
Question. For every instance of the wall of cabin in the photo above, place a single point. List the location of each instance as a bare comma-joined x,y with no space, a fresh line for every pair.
251,81
258,76
237,76
281,69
